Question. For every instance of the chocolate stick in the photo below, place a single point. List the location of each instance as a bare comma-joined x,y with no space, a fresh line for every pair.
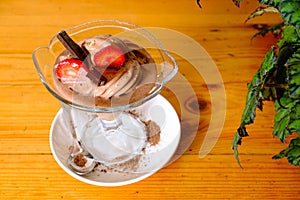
72,46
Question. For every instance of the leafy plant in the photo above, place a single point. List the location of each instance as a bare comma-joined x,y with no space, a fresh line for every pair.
277,79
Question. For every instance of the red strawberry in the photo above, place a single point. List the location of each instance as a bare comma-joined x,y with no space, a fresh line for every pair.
67,70
110,56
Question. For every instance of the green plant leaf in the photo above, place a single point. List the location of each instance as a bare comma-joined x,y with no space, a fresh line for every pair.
293,75
275,30
268,94
278,79
292,152
287,62
262,10
237,139
282,119
290,35
274,3
290,12
294,126
254,97
287,117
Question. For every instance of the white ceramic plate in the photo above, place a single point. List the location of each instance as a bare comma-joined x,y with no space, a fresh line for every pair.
150,161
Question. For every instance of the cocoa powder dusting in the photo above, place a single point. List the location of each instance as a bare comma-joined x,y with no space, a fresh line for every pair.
153,132
152,129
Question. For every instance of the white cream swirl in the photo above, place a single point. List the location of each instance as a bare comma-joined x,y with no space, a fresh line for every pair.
123,83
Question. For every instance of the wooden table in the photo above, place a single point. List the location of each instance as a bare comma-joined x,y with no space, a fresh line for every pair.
27,167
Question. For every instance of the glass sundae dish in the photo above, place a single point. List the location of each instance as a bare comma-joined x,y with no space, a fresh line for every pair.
100,71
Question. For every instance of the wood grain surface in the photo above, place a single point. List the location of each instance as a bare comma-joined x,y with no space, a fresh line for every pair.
27,167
